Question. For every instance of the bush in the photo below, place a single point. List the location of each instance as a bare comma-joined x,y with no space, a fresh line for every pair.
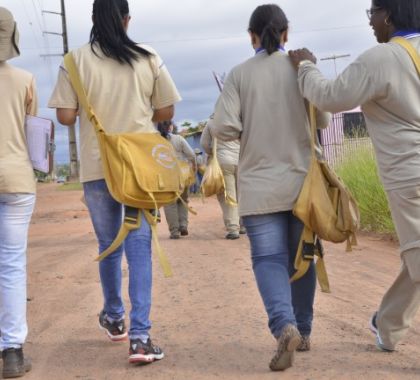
359,173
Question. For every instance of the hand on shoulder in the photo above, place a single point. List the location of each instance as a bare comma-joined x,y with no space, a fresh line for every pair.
300,55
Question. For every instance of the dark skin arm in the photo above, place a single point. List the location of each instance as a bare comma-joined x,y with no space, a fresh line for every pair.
300,55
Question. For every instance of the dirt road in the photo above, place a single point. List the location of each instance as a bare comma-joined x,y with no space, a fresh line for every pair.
209,317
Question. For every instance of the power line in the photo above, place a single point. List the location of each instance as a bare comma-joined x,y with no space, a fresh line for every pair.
240,36
46,44
31,25
37,16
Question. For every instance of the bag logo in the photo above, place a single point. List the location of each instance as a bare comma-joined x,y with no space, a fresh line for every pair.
164,156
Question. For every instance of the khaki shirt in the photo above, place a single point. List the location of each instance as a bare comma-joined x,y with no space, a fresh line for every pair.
385,82
227,151
123,98
18,98
261,105
183,150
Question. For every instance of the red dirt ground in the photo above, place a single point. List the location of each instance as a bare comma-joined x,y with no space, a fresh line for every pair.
208,317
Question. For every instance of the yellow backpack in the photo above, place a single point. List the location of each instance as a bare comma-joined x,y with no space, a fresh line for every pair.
141,171
327,210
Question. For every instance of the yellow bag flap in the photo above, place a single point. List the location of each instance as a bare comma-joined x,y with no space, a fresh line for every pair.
149,156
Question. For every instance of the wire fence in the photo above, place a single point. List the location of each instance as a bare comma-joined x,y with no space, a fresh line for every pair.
345,136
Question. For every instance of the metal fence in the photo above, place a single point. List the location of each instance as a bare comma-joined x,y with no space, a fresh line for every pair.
344,137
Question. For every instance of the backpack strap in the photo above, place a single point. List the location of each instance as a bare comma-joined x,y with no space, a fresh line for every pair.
76,82
309,247
132,221
410,50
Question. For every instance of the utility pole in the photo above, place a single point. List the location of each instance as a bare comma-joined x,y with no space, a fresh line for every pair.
74,167
335,57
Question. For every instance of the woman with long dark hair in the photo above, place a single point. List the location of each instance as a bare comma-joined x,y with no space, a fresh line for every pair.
261,105
129,88
385,81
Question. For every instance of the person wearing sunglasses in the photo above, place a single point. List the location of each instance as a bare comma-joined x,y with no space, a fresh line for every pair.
386,83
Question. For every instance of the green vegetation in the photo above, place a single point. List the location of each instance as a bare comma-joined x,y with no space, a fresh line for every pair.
62,170
359,173
189,130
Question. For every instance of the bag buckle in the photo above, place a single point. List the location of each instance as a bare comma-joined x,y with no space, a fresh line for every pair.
131,215
308,251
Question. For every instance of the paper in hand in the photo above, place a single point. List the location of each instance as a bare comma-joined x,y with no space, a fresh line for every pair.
39,138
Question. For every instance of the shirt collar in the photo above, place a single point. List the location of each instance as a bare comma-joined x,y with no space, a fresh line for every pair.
409,33
261,49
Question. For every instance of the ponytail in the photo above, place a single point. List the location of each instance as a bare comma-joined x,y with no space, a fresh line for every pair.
108,32
270,38
268,22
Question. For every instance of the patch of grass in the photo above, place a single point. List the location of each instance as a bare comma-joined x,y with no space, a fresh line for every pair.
359,173
70,186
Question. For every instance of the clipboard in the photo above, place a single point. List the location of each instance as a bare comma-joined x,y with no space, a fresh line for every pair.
40,141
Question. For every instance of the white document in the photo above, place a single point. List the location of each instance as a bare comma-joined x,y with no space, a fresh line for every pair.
39,138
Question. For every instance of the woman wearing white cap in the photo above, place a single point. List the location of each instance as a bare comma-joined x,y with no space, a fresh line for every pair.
17,198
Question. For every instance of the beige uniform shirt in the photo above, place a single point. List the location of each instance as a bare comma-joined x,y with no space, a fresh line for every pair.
123,98
261,105
227,151
18,98
183,150
385,82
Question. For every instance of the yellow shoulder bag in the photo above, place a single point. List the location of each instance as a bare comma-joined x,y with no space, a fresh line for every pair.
327,210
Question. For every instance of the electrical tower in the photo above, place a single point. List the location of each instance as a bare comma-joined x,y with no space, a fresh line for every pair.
74,167
335,57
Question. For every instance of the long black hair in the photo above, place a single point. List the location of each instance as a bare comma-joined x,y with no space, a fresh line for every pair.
109,33
403,14
268,22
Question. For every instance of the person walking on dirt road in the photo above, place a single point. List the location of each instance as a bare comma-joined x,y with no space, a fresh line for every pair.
130,89
261,105
384,80
17,198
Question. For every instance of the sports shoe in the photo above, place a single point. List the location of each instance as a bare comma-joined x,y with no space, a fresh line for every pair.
144,352
232,236
242,230
305,344
183,231
287,343
174,235
14,363
374,328
116,330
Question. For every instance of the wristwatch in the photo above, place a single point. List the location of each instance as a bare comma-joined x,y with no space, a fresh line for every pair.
303,63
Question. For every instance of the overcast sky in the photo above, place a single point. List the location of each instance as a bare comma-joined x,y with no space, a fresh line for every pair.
194,38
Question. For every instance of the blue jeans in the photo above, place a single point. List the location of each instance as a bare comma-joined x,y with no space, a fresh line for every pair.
274,240
106,214
15,215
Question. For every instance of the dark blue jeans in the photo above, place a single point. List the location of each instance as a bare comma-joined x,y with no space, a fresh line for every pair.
106,215
274,240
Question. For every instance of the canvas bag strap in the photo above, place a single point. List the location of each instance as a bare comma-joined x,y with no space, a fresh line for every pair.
410,50
309,247
312,120
132,221
75,80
